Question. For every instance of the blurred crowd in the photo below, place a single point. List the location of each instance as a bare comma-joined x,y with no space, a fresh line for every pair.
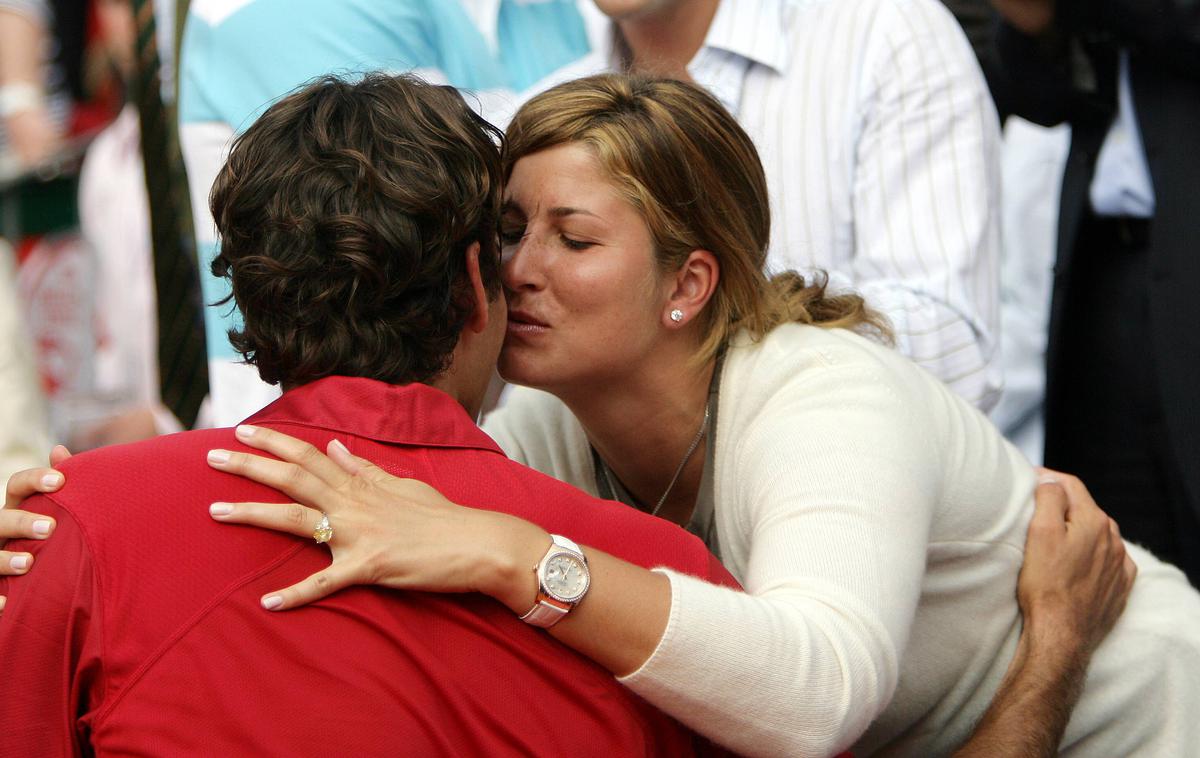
1016,194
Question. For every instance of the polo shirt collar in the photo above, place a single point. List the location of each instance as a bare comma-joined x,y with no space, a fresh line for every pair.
409,414
755,31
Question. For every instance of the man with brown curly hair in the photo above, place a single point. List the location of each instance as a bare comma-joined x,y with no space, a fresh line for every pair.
358,223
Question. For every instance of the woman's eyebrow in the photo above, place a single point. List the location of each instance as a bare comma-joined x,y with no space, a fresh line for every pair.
563,211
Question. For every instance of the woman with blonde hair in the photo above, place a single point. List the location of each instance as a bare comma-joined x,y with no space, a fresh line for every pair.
876,521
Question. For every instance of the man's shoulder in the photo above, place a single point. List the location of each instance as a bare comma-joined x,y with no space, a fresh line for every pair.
117,471
155,493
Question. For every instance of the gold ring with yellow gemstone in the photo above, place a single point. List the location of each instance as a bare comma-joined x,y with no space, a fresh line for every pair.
324,532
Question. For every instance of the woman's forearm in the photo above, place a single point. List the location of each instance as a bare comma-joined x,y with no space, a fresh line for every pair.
620,620
761,675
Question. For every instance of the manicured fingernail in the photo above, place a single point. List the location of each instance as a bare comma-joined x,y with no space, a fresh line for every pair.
338,444
245,431
41,527
271,602
1047,479
52,480
220,509
218,457
19,562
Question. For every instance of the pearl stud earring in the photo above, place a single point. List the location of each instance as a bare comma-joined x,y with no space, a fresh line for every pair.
677,315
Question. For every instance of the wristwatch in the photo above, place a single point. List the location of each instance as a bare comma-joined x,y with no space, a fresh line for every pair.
563,580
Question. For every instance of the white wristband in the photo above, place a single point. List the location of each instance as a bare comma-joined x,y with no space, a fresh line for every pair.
20,97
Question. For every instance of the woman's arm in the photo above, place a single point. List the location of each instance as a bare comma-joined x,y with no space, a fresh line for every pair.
434,545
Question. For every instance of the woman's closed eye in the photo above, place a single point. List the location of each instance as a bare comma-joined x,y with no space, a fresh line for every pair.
576,244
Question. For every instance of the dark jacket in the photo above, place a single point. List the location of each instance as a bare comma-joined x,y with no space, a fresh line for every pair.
1071,76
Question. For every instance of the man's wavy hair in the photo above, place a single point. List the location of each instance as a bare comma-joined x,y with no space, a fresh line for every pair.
344,215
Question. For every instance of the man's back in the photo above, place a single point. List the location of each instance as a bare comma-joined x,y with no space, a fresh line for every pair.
142,632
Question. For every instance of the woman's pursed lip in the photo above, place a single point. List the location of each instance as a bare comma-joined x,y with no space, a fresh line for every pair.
520,327
523,319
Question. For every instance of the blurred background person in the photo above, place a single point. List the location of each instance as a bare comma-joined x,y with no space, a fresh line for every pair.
1121,410
31,122
24,433
33,111
114,218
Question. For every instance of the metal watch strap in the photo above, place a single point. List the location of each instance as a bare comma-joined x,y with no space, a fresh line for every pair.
546,611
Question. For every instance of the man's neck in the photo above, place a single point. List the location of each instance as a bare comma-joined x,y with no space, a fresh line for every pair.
663,42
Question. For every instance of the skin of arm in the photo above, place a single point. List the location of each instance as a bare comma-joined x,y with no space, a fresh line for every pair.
1072,589
21,41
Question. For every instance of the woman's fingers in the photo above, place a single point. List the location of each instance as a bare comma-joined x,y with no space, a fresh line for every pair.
289,478
347,461
291,518
294,451
355,466
319,585
14,564
58,455
30,482
17,524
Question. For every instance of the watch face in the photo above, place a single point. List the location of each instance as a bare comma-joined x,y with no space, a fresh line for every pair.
565,578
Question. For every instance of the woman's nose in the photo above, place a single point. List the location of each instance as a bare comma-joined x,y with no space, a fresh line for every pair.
521,265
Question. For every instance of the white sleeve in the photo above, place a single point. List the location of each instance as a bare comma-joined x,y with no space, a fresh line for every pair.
925,194
835,489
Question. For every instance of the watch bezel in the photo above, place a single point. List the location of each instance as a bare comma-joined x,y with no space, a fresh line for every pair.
578,558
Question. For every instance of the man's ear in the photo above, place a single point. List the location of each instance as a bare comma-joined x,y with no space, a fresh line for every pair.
476,292
692,286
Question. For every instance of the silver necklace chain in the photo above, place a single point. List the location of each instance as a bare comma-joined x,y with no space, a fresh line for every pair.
686,457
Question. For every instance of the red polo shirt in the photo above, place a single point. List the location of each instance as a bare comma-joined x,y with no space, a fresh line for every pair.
139,630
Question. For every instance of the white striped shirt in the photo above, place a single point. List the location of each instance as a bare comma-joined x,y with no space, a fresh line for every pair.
881,148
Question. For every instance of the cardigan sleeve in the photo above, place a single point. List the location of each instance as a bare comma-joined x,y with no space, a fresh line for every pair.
834,484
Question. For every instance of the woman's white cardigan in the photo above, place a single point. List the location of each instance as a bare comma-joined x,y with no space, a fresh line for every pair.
877,523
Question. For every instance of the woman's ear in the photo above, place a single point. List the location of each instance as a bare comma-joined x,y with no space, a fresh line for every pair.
693,286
